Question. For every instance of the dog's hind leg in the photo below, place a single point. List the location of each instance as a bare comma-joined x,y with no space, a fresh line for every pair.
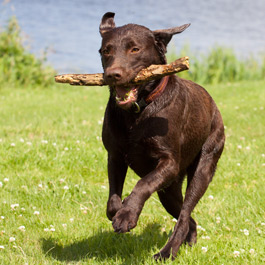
172,200
210,154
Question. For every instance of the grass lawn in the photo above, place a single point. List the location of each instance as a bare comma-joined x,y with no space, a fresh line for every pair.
54,187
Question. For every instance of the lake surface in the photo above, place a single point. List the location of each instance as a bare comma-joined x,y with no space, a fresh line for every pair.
69,29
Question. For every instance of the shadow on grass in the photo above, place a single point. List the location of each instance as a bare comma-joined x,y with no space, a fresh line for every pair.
107,245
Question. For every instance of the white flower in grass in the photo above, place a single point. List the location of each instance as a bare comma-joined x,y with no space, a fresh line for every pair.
64,225
2,247
6,180
66,149
40,186
44,141
210,197
22,228
14,206
263,155
12,144
66,188
71,219
2,217
36,213
52,229
204,249
262,224
236,253
21,140
54,144
238,164
61,181
1,140
1,184
29,143
200,228
46,229
175,220
239,146
252,251
12,239
218,219
84,192
246,232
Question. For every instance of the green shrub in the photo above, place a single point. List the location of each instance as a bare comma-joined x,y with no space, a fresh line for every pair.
17,65
220,65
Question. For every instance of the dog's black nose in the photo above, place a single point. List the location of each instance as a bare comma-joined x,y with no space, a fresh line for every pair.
114,74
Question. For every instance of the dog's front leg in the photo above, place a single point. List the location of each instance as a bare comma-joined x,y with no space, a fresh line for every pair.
117,169
126,218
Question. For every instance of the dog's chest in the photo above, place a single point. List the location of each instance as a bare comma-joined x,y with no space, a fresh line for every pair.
142,149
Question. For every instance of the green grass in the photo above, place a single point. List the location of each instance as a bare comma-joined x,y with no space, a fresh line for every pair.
53,167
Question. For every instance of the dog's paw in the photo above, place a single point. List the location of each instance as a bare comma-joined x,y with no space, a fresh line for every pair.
162,256
113,206
168,251
124,220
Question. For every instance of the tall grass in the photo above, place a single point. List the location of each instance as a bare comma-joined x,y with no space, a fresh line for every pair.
18,67
220,65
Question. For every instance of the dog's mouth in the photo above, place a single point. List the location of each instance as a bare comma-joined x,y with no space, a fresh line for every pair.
125,96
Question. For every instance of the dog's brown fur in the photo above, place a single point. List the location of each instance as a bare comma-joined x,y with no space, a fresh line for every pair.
180,133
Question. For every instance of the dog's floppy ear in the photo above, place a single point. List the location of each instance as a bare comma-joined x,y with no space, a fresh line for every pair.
163,36
107,23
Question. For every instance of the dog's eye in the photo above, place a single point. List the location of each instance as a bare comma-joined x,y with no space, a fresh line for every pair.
135,50
105,52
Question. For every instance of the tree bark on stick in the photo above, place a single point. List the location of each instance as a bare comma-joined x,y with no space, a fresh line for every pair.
150,73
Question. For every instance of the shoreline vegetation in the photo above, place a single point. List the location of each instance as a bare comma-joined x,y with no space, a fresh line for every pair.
19,67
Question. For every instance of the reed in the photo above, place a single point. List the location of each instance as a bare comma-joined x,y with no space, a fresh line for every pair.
220,65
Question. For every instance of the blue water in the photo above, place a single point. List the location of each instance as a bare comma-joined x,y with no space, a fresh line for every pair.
69,29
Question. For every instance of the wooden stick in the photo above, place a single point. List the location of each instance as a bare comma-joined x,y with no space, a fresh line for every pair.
150,73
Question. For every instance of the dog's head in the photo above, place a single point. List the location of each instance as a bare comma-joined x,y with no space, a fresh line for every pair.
128,49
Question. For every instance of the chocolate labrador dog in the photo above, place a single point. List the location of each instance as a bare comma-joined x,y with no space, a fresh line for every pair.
164,130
